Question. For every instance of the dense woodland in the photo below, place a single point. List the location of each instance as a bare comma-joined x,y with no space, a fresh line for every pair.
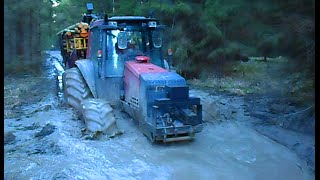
204,34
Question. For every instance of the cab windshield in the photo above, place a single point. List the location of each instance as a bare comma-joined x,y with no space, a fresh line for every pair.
126,45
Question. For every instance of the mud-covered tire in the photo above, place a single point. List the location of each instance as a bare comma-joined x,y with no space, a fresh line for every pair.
98,116
75,89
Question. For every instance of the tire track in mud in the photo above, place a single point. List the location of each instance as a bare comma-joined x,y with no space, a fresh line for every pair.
264,114
227,148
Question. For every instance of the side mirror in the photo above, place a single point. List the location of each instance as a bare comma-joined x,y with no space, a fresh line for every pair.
122,40
157,38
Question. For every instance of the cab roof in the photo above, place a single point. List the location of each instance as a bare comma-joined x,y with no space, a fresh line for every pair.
124,19
131,18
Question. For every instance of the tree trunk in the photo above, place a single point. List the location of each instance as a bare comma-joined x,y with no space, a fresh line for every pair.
37,40
7,34
30,30
20,39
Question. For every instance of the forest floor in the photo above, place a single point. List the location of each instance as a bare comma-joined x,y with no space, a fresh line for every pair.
245,136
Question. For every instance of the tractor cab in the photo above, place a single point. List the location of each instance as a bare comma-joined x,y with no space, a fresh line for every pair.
121,39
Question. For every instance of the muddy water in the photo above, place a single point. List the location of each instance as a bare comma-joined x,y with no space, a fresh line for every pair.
225,150
55,73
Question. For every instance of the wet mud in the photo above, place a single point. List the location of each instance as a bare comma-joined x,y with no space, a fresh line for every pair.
46,142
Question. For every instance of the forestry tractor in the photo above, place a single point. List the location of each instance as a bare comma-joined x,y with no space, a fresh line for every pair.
118,63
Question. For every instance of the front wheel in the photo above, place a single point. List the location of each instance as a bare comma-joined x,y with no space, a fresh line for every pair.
98,116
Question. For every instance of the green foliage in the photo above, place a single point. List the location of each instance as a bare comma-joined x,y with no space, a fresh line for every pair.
219,10
222,54
183,9
205,34
242,49
213,36
269,44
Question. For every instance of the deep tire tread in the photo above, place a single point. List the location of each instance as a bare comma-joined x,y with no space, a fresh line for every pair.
75,88
98,115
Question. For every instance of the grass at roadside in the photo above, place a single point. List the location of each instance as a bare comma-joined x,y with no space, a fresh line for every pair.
256,76
20,90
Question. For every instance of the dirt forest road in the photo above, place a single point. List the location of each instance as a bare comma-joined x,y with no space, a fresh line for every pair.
45,142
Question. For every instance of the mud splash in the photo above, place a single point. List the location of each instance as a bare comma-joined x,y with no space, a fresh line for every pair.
55,61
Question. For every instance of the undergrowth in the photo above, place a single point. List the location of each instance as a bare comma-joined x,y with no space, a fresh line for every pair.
19,91
257,76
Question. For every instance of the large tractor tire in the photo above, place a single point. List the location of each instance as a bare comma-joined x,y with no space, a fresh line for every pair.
98,116
75,88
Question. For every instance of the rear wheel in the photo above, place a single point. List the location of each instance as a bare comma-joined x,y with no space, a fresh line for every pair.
75,88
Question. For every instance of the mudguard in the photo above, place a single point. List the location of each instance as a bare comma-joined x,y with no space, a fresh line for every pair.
86,68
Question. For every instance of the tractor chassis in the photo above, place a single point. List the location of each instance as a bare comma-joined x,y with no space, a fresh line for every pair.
181,129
